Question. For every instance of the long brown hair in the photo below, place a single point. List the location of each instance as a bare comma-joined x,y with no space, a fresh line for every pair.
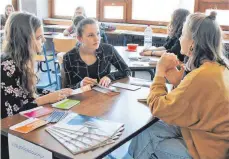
20,46
176,25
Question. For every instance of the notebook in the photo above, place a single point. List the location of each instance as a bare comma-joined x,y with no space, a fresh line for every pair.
65,104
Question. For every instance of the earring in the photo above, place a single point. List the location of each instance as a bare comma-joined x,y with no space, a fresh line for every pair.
190,51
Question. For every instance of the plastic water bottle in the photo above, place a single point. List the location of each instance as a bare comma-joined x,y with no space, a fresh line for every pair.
148,37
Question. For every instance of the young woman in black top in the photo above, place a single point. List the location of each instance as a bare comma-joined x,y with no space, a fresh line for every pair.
172,42
90,61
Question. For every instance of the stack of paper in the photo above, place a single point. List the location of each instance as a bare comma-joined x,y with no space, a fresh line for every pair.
79,133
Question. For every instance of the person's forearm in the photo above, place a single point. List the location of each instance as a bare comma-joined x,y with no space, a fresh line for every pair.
42,100
158,53
160,73
161,48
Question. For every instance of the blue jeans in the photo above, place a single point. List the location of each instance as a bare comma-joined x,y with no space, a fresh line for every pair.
159,141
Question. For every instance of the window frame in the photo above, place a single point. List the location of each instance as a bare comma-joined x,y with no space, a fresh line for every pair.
104,3
127,13
52,11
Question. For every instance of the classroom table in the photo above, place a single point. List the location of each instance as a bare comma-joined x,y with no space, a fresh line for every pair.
61,27
122,108
139,33
126,33
52,35
138,65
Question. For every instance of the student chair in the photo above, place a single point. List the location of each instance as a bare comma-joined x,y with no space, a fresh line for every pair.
47,59
60,47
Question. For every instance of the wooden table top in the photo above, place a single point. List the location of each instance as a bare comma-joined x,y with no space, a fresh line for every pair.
120,108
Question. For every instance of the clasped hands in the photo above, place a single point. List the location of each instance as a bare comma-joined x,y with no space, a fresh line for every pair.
167,67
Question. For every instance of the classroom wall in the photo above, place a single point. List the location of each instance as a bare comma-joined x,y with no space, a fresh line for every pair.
37,7
187,4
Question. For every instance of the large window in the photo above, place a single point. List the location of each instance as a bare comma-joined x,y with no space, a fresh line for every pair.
157,12
152,8
221,16
66,8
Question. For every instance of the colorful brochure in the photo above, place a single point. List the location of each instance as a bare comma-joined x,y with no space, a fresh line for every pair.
28,125
36,112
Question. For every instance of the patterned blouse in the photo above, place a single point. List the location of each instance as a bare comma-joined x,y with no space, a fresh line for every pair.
14,98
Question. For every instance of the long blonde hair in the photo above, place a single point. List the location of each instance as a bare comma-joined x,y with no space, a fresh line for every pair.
8,5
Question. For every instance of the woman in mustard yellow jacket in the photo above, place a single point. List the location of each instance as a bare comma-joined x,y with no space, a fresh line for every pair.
195,115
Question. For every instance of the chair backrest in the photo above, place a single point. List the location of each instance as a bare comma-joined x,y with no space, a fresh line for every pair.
64,45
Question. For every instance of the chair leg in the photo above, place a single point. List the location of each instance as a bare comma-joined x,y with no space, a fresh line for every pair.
133,73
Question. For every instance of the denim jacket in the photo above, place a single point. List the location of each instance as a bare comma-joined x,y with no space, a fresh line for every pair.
106,55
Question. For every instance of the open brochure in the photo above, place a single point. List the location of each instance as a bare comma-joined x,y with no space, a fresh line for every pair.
79,133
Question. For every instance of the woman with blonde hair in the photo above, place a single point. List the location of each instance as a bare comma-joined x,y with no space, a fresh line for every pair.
194,117
8,10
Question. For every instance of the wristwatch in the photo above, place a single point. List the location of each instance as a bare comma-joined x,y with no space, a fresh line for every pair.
152,53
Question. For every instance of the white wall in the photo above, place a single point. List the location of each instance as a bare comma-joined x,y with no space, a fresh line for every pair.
37,7
42,9
187,4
